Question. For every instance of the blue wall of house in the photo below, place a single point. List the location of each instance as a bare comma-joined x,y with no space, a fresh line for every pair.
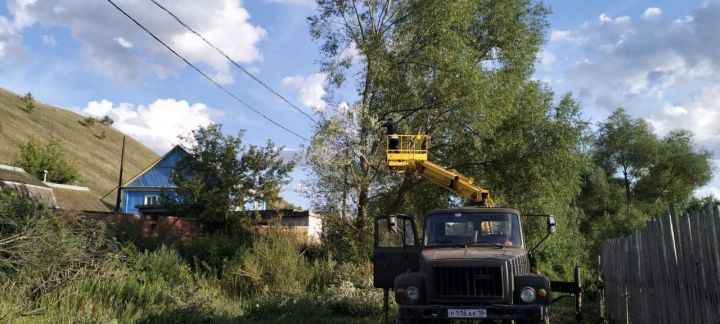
159,175
133,198
149,183
156,181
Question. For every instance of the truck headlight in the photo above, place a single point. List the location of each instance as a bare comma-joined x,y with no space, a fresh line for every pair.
412,293
527,295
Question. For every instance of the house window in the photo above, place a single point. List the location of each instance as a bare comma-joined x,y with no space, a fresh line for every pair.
151,200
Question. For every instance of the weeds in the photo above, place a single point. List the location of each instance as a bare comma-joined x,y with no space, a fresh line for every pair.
78,272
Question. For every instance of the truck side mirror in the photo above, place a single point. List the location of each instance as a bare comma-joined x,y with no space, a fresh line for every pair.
392,224
551,224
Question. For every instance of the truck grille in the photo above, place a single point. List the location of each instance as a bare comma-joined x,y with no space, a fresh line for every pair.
468,282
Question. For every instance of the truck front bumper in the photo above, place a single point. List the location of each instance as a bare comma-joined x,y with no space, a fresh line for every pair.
491,312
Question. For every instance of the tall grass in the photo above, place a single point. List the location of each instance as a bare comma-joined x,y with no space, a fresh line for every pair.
54,272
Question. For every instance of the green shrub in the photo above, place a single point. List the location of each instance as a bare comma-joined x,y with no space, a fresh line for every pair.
28,102
347,299
209,253
88,121
35,158
163,264
272,264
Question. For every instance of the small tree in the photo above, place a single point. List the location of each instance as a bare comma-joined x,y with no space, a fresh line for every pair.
28,102
88,121
107,121
36,158
220,176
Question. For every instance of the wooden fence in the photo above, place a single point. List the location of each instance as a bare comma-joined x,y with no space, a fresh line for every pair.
668,272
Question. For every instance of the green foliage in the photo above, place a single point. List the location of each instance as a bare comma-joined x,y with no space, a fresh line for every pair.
677,170
107,121
34,158
654,173
88,121
625,146
221,174
209,253
436,69
28,102
254,270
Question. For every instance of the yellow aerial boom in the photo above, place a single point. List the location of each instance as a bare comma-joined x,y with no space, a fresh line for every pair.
409,154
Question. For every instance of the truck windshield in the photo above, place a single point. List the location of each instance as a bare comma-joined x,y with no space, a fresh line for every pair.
498,229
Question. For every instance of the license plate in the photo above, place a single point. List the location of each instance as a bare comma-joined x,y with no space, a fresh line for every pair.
467,313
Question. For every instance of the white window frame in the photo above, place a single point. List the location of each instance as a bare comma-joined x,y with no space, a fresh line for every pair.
149,199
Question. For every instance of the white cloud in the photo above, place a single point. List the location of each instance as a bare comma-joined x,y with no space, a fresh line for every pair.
707,191
96,25
652,13
565,35
156,125
294,2
701,115
634,62
10,41
22,17
48,40
123,42
558,35
546,59
310,89
663,69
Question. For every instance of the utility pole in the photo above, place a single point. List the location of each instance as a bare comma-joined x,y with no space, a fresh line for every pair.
120,180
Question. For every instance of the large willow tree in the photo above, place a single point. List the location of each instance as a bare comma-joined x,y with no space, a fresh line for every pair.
459,71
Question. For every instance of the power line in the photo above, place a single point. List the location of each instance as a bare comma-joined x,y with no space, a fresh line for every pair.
203,73
233,61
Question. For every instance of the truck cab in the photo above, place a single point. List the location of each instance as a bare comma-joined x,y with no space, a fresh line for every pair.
472,263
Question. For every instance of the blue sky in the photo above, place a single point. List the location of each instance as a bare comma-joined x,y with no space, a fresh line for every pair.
658,59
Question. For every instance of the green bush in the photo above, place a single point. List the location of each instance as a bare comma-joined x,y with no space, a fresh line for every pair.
163,264
209,253
35,158
272,264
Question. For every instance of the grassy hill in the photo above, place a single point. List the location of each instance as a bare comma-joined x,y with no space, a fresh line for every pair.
94,149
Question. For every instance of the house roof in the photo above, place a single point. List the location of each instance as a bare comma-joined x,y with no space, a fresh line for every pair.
18,175
76,198
151,166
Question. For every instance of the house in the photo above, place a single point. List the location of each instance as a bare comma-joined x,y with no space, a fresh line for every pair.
141,194
14,178
55,195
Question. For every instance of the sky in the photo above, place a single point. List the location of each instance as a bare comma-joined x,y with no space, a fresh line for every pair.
660,60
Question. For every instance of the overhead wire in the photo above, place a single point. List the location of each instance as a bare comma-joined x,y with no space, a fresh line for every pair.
267,87
204,74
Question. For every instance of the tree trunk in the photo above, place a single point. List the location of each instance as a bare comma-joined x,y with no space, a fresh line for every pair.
627,186
400,197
